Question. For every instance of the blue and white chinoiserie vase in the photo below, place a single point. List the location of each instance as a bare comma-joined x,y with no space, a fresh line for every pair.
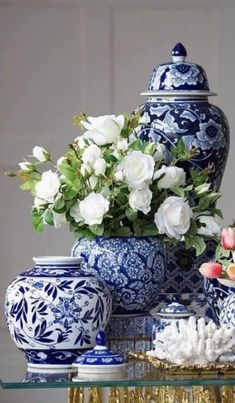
177,107
221,299
132,267
171,313
100,360
55,310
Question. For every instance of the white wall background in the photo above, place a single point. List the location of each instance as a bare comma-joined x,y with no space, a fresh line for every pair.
60,56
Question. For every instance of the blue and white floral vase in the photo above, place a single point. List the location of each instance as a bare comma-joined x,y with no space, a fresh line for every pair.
220,294
177,107
55,310
132,267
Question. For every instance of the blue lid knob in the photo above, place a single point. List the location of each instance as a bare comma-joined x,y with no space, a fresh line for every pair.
100,338
179,52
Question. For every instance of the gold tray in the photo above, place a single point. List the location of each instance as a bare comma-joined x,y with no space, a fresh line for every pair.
219,368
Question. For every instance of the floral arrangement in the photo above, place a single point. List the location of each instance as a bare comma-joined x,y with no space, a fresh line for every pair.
112,183
224,266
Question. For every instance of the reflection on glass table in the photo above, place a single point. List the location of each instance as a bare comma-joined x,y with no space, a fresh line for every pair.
140,377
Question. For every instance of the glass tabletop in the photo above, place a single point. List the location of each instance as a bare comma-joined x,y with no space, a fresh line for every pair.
14,374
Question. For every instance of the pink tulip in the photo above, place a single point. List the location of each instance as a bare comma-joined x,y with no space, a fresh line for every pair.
211,269
231,272
228,238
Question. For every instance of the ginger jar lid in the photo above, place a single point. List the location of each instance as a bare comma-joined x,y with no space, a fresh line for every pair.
178,78
175,310
100,359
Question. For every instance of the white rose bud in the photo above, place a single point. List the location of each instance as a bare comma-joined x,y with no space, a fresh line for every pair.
60,161
213,225
41,154
91,153
173,217
141,200
58,219
93,181
159,154
150,149
138,169
38,203
75,212
103,130
93,208
27,166
202,188
48,187
99,166
86,169
122,145
80,142
173,177
119,176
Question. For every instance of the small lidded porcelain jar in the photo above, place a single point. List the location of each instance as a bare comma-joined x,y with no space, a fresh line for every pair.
177,108
169,314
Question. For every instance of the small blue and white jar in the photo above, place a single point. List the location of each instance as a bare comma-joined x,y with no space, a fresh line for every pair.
171,313
227,312
177,108
55,310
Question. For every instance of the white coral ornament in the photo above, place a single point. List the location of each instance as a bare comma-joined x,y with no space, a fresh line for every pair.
193,342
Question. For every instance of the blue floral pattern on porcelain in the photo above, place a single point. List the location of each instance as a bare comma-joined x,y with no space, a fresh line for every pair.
177,108
217,294
227,312
52,318
133,268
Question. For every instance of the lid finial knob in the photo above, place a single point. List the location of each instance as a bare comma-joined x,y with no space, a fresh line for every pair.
179,53
100,338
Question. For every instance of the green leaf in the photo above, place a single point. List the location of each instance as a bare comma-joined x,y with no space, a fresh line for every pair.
179,191
204,203
131,214
124,231
122,198
225,262
136,145
110,158
97,229
213,197
137,227
59,205
11,174
70,194
67,171
37,220
199,244
179,150
48,217
221,252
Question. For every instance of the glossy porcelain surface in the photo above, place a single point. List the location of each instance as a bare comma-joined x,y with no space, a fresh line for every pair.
227,312
133,268
100,359
217,294
177,108
170,313
54,311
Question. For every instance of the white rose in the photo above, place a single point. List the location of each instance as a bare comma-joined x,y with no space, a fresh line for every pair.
159,154
99,166
75,212
41,154
141,200
26,166
58,219
103,129
173,217
93,208
48,187
91,153
138,169
213,225
173,177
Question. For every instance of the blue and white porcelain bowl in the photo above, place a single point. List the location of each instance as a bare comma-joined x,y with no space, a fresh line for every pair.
55,310
132,267
99,360
227,312
217,294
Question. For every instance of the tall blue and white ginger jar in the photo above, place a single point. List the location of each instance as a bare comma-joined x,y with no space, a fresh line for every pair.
55,310
177,107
